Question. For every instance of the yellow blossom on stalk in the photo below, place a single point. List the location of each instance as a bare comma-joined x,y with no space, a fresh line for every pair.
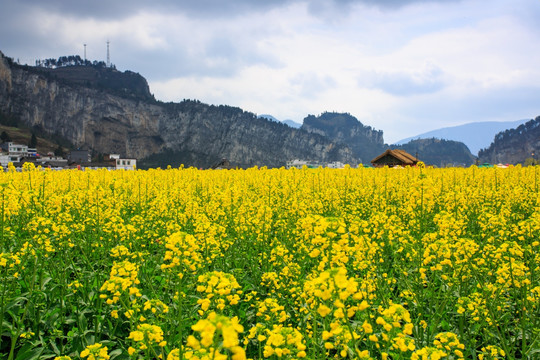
123,280
182,253
219,289
284,342
429,353
174,355
95,352
216,333
156,307
330,290
491,352
147,336
449,341
27,335
270,310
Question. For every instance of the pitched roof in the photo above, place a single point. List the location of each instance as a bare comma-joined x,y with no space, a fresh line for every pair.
401,155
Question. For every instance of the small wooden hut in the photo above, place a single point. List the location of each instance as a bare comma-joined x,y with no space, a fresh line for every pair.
393,158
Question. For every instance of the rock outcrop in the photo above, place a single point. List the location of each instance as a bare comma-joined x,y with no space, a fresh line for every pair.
514,146
116,120
365,142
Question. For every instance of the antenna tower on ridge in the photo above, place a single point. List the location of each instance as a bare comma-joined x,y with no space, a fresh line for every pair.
84,52
108,55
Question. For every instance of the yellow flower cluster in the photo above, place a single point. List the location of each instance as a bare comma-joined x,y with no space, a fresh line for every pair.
123,279
182,253
219,289
218,338
284,342
332,292
271,311
95,352
145,338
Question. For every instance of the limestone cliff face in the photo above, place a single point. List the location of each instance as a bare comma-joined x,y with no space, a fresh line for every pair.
365,142
190,132
514,146
84,116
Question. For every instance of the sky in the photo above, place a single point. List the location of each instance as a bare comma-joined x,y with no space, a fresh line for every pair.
401,66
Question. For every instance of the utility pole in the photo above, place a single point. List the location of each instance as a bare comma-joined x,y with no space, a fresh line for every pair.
108,55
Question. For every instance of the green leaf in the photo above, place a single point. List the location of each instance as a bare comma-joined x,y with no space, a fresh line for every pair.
117,352
445,325
29,352
54,347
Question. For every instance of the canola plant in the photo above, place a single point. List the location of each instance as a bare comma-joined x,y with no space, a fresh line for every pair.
415,263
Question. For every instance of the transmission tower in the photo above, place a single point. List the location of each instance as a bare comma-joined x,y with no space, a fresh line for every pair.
108,55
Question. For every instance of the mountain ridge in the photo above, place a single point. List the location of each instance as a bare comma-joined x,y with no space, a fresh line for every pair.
514,146
476,135
365,142
190,132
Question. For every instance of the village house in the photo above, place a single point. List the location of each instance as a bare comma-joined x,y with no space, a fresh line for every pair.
12,153
299,164
121,163
79,157
394,158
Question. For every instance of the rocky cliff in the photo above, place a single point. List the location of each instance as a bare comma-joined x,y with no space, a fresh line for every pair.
365,142
439,152
514,146
106,120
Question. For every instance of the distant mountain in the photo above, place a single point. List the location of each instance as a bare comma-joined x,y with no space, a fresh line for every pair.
365,142
476,135
514,146
290,123
439,152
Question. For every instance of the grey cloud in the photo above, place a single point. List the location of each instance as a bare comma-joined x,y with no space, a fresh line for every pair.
119,9
220,56
203,8
429,80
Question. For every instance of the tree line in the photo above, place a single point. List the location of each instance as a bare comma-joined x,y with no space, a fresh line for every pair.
71,60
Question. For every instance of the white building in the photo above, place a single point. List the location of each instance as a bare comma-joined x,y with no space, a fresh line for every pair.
296,163
126,164
5,159
15,149
336,165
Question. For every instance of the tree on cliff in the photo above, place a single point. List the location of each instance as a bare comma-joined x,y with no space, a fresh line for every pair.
33,141
5,137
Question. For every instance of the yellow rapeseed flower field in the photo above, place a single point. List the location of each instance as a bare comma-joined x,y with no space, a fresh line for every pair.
390,264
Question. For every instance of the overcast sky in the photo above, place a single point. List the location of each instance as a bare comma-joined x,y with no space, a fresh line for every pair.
401,66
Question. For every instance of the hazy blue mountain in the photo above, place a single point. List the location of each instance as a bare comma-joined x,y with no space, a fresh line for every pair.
476,135
290,123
